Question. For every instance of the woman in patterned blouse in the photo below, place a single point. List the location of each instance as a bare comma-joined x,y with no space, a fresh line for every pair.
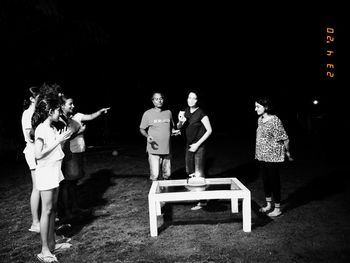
272,145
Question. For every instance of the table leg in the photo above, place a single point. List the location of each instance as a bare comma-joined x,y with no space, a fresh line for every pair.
247,220
152,216
159,208
234,205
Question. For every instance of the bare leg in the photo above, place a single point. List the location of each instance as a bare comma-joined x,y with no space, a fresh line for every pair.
51,234
34,201
47,198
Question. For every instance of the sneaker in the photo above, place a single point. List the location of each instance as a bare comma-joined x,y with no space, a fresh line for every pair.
275,212
197,207
264,209
63,239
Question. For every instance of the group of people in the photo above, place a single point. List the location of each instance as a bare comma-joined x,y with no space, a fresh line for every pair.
54,138
157,125
272,144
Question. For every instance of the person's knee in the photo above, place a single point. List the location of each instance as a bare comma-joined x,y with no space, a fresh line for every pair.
47,210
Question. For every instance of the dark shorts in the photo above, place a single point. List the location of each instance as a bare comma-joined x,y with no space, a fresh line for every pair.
73,167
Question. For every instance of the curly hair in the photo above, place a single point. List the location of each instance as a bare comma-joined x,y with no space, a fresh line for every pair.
42,111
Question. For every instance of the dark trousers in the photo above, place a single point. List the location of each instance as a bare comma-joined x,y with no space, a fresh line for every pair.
195,161
271,180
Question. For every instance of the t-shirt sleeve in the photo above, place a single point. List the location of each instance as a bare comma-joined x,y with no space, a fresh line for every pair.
78,116
280,132
26,120
39,133
202,114
144,121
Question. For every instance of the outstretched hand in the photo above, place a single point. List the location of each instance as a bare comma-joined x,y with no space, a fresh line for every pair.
105,110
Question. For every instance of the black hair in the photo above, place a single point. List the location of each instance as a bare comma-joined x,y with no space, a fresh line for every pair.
199,97
157,92
31,93
266,103
42,111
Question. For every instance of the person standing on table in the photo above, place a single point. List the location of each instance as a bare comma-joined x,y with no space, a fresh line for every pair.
198,130
157,126
272,145
29,153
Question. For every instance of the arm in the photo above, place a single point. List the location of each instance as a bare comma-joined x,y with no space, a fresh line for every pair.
286,146
144,133
182,119
174,130
207,125
89,117
39,144
27,134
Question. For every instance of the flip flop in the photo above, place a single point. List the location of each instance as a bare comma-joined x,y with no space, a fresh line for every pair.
34,229
63,239
61,247
46,259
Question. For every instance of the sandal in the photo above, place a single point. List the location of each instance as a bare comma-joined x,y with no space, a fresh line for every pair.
61,247
35,228
46,259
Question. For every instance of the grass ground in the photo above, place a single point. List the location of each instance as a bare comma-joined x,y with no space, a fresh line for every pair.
315,225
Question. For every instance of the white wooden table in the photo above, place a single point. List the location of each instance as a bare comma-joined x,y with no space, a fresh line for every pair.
161,191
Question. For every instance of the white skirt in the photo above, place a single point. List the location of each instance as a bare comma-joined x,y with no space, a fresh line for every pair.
49,176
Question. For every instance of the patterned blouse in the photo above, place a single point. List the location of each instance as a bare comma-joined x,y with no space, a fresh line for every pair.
269,140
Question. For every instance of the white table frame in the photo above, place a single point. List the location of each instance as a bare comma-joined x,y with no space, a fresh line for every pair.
237,191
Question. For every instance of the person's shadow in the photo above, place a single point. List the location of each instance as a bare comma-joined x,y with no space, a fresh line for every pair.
90,199
317,188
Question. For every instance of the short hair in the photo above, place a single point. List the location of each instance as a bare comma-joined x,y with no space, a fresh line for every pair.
157,92
266,103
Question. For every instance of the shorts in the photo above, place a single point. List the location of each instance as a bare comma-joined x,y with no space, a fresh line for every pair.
73,168
49,176
29,154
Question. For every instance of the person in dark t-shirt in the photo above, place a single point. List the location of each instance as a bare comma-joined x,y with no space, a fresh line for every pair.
198,129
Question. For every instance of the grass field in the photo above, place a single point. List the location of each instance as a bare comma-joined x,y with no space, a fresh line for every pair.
315,225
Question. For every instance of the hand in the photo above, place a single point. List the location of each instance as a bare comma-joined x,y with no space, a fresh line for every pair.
193,147
181,116
64,134
290,158
105,110
175,132
82,128
149,139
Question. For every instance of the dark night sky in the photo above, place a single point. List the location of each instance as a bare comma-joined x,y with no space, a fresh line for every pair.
113,55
